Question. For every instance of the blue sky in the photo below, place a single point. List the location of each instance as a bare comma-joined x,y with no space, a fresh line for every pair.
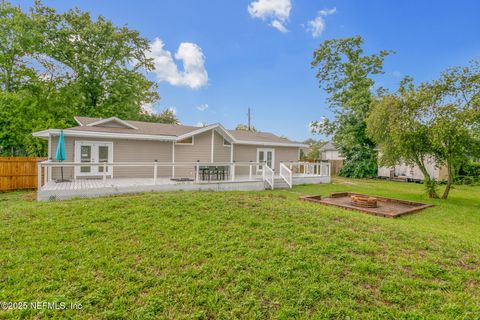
248,63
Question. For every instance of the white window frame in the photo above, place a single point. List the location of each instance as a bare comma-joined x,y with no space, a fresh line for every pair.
265,150
186,144
94,154
226,145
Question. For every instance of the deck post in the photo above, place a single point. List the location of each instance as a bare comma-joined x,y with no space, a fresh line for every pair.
263,172
104,173
197,172
45,175
250,172
233,171
155,166
39,175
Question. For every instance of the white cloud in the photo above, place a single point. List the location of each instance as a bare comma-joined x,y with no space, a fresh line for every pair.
317,25
202,107
279,26
276,10
201,124
193,75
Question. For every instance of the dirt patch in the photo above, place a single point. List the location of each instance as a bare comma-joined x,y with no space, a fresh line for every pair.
385,207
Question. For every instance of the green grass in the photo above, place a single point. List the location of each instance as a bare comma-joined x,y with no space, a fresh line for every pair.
242,255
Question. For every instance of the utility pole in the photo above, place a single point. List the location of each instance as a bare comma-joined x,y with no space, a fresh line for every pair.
249,117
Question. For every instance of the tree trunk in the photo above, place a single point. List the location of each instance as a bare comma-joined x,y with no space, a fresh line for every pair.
449,180
427,181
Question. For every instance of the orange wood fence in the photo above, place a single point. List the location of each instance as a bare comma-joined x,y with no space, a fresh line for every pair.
18,173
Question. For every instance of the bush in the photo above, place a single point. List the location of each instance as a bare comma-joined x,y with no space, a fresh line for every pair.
470,169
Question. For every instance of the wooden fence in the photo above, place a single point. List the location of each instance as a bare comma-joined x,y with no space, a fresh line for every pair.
18,173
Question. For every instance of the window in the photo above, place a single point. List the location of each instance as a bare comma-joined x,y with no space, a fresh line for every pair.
226,143
188,140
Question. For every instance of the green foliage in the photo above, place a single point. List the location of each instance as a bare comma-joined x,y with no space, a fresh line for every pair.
345,72
242,255
313,152
437,121
166,116
57,65
244,127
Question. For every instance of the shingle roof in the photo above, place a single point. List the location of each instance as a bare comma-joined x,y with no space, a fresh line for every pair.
329,146
175,130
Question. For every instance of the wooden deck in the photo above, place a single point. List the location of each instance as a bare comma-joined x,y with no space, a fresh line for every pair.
88,188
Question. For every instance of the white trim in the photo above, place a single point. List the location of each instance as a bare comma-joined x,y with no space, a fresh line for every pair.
184,143
226,145
265,150
96,134
273,144
231,153
78,121
221,130
94,152
205,129
102,121
212,149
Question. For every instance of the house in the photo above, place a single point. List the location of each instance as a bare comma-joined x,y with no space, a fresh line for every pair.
132,156
330,153
404,172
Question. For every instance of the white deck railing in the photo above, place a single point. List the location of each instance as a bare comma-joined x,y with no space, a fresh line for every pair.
303,168
286,174
46,167
268,175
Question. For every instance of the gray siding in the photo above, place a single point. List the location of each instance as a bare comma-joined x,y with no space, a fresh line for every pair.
123,151
148,151
221,153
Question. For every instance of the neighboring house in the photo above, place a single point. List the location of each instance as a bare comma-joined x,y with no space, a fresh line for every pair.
330,153
173,151
405,172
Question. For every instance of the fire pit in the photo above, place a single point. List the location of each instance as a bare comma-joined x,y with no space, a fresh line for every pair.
363,201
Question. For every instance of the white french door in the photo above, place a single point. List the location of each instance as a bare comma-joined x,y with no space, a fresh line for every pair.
93,152
267,155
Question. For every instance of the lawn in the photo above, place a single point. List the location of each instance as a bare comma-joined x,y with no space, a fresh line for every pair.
242,255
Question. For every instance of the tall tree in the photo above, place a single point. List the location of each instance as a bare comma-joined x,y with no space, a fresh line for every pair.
345,72
398,125
106,61
438,120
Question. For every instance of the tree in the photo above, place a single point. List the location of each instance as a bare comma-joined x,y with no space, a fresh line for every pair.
244,127
345,72
313,152
166,116
454,116
398,125
437,120
106,61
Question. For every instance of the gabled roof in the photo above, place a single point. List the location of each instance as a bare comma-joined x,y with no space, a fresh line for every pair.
329,146
164,132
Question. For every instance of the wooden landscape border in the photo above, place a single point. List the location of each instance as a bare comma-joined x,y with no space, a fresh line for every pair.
416,206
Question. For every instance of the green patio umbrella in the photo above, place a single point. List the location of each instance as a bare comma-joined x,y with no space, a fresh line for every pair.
60,155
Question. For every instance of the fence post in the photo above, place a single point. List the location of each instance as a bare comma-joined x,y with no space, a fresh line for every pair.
39,176
155,168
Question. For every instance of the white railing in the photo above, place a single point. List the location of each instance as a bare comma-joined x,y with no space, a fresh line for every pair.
268,175
46,168
286,174
303,168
